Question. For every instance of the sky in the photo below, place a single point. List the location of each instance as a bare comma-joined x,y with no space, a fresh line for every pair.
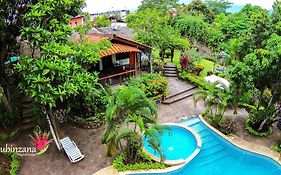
94,6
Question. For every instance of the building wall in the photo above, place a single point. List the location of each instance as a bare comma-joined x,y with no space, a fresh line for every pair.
76,21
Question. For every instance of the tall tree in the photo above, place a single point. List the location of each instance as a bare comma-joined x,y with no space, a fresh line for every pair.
159,4
58,77
276,16
218,6
199,8
102,21
130,116
257,72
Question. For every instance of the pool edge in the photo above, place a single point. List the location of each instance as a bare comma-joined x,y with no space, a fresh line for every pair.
180,161
243,144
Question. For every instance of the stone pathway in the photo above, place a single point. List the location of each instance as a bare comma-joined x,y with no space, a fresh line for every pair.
89,141
175,85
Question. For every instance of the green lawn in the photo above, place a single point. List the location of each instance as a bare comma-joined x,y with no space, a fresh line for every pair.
208,66
176,59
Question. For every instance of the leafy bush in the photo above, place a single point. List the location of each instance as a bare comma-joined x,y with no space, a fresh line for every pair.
154,86
198,69
277,148
227,127
184,62
252,131
102,21
214,120
15,162
91,122
119,164
4,137
199,81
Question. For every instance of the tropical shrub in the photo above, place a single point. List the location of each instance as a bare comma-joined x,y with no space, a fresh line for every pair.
89,122
15,162
277,148
40,140
4,137
251,127
198,68
184,62
154,86
199,81
216,101
147,164
227,127
131,116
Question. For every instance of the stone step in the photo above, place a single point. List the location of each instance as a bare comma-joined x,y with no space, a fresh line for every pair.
27,120
170,75
170,65
27,113
179,93
179,97
27,126
170,68
27,105
170,71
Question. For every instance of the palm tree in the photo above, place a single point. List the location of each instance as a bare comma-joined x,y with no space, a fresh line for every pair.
216,101
130,116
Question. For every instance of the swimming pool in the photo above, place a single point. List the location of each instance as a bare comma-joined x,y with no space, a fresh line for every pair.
190,144
219,157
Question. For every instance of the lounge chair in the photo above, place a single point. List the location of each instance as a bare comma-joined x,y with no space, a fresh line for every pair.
71,150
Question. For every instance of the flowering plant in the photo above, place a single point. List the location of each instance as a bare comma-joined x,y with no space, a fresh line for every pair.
40,140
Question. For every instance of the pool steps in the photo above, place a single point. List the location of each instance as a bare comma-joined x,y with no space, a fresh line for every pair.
211,150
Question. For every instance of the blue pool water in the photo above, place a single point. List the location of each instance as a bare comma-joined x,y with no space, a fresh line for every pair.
172,149
219,157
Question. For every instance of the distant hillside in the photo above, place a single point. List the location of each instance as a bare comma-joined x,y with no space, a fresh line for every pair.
233,9
236,8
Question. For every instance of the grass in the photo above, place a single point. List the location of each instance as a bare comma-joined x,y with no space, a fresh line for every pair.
176,59
208,66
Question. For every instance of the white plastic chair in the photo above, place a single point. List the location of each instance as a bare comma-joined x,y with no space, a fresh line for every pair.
71,150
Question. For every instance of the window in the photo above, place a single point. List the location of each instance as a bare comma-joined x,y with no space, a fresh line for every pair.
121,56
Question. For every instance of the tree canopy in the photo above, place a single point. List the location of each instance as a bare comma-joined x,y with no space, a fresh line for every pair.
102,21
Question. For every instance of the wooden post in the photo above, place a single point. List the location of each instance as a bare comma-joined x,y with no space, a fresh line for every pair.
150,62
135,63
52,130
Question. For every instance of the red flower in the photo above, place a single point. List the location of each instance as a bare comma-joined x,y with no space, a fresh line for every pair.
40,141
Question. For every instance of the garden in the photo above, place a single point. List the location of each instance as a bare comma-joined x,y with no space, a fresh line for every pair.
49,85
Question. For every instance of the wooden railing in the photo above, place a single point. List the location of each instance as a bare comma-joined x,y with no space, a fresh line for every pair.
118,76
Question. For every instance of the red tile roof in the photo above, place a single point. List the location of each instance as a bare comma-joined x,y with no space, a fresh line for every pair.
115,47
96,38
119,48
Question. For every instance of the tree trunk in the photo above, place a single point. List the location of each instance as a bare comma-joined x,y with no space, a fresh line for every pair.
260,98
150,62
263,123
172,54
56,140
56,128
267,118
6,103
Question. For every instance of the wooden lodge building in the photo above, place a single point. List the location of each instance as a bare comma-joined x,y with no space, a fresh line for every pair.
122,60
